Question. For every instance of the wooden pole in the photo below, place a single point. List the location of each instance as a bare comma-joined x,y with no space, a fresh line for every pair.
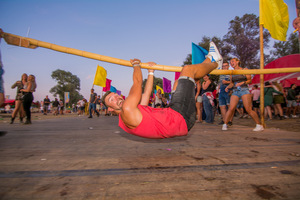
262,98
32,43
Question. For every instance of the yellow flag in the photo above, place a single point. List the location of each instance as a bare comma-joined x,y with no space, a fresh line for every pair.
100,77
274,16
159,88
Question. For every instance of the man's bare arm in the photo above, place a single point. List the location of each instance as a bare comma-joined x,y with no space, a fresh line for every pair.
149,85
130,113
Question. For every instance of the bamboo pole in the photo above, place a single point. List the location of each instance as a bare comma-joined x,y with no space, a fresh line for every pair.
262,95
33,43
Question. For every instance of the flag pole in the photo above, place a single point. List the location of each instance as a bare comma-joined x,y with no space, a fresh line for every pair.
262,95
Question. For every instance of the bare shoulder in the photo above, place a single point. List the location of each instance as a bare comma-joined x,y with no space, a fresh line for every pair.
131,115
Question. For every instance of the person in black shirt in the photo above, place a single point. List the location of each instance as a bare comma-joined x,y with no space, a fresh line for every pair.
93,98
46,104
55,105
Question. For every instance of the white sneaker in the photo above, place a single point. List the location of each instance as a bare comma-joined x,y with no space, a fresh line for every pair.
258,127
214,55
294,116
224,127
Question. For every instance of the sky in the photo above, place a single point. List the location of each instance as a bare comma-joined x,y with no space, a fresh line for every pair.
161,31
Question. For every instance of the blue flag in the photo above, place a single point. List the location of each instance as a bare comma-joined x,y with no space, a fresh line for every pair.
113,89
198,54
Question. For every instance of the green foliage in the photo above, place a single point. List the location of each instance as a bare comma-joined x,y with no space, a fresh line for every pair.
291,46
66,82
243,39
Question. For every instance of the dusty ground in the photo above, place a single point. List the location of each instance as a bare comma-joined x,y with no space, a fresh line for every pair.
287,124
72,157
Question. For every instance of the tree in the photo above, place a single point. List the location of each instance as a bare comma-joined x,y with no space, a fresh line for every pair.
291,46
243,38
66,82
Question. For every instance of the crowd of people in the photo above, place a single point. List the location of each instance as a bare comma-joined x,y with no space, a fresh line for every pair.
93,107
233,97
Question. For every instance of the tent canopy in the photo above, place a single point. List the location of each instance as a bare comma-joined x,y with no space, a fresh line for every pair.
285,78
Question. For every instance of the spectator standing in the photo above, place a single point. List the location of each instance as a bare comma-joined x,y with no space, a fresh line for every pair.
158,99
81,105
46,104
92,103
61,107
268,94
98,104
199,101
29,88
224,99
240,91
19,99
208,99
278,99
291,101
55,106
255,98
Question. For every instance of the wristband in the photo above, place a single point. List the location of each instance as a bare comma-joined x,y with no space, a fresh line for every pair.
151,73
136,65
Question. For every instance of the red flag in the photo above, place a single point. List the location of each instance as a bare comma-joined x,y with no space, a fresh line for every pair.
107,87
177,74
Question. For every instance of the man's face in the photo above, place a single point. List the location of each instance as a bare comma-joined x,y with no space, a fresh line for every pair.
92,91
225,66
114,101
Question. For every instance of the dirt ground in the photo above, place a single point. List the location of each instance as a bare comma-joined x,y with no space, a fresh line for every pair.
286,124
73,157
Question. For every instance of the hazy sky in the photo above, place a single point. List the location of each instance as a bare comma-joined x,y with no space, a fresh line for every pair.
158,30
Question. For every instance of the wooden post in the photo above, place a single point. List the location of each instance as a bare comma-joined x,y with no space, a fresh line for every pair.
262,98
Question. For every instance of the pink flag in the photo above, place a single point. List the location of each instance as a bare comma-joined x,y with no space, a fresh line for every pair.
107,87
177,74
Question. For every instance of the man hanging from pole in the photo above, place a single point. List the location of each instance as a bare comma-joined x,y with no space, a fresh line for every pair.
137,118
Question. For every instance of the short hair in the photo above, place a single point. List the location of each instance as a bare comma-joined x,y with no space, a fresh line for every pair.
104,96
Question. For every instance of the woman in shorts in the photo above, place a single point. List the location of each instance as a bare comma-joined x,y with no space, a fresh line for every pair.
240,91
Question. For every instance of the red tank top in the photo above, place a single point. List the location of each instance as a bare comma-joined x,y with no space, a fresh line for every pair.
158,123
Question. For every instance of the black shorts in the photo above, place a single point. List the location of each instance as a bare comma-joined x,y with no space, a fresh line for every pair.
183,100
255,104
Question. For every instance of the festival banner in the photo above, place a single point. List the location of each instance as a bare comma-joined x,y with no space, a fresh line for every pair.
107,87
167,85
177,75
198,54
274,16
67,97
113,89
100,77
